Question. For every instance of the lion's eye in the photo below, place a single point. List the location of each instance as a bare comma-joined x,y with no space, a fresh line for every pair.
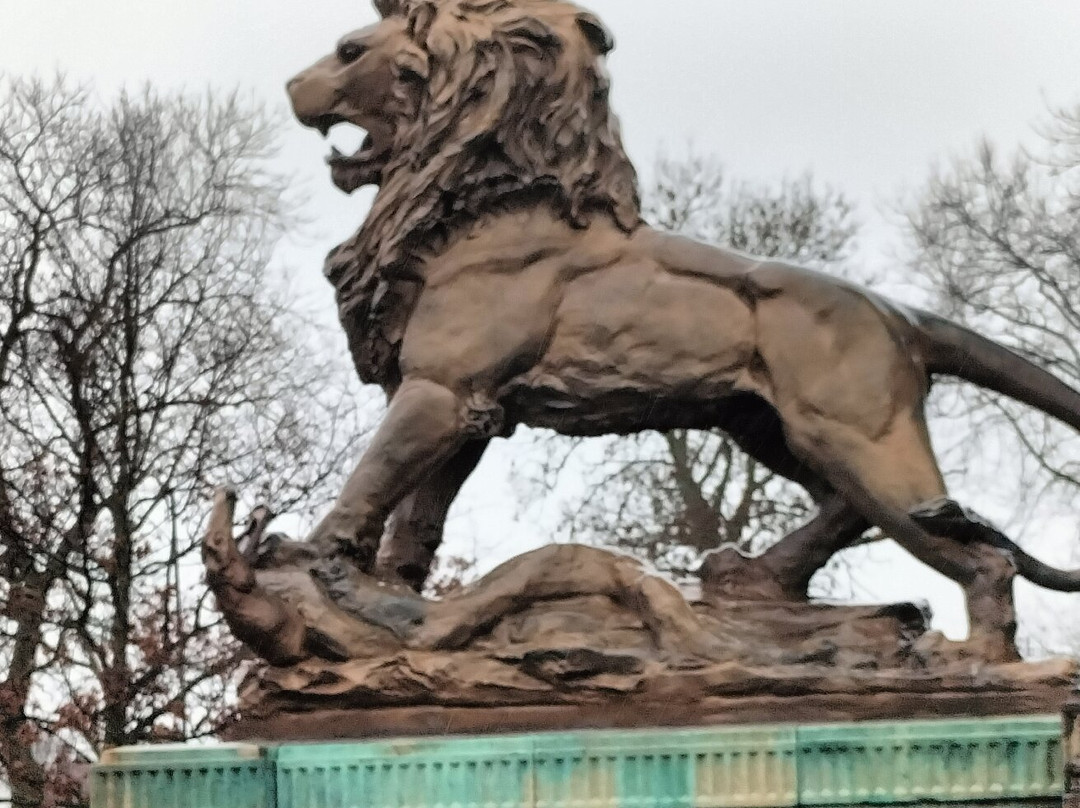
348,52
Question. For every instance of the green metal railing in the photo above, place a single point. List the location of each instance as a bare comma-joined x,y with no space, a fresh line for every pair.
172,776
982,761
1072,751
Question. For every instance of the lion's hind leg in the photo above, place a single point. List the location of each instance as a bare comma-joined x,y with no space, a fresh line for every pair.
887,479
990,595
415,530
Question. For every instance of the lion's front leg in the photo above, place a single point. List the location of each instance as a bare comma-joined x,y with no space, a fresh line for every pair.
425,425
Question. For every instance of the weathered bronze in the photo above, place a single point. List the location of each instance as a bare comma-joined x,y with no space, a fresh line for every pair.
504,277
570,636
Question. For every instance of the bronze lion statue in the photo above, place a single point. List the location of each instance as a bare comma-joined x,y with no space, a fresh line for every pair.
504,277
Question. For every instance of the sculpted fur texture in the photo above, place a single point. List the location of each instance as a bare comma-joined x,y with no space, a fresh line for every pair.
503,277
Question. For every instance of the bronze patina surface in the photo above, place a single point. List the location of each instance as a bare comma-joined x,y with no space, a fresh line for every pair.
504,278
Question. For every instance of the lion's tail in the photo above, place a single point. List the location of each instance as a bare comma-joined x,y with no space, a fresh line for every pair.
956,351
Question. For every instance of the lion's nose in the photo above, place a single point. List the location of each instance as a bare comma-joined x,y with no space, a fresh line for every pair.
295,92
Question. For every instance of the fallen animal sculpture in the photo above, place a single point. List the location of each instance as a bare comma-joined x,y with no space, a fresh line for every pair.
570,636
504,278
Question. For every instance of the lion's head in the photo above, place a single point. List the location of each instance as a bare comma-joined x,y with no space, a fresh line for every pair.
469,106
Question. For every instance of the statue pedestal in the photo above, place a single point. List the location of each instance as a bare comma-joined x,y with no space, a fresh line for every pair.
554,680
960,763
1072,751
978,696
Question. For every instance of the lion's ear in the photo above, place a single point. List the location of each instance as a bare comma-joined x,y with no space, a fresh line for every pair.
421,16
596,32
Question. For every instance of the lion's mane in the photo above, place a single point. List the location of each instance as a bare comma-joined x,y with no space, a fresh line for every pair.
514,111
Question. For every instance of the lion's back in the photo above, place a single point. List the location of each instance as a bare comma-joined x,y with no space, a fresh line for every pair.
634,338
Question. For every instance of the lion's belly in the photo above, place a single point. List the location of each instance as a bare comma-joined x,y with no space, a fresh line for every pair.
635,347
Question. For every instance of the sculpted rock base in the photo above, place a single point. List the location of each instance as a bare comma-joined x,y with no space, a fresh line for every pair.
569,637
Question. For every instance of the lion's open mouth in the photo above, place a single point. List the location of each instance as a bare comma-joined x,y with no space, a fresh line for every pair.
362,167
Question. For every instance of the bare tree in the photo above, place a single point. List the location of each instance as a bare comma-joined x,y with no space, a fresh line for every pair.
670,498
145,355
996,239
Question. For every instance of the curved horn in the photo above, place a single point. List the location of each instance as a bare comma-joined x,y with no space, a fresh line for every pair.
259,619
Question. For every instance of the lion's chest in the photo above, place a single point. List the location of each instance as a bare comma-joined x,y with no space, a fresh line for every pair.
635,347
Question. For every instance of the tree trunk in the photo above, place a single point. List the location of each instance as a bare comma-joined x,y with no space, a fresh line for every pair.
703,522
116,679
25,775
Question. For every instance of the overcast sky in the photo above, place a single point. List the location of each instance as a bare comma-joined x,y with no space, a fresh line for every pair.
866,93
